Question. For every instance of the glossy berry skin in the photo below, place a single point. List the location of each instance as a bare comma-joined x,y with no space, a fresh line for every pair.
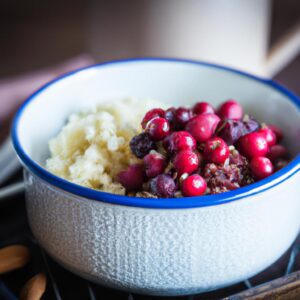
182,116
193,185
278,132
151,114
155,164
277,152
216,150
261,167
141,144
170,114
203,108
162,186
230,110
253,145
132,178
179,140
269,136
231,130
158,128
186,161
202,127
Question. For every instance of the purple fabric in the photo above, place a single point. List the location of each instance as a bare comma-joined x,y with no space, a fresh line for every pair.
13,91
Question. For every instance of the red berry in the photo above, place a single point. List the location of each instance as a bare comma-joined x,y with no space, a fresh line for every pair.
132,178
186,161
151,114
253,145
155,164
277,131
182,116
216,150
230,110
269,136
276,152
202,127
261,167
162,186
203,108
158,128
179,140
194,185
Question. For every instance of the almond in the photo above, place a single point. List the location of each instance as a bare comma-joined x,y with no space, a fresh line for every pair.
13,257
34,288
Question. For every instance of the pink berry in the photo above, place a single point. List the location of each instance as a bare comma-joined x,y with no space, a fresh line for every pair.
186,161
182,116
194,185
158,128
269,136
216,150
151,114
261,167
202,127
203,108
230,110
155,164
276,152
277,131
179,140
253,145
132,178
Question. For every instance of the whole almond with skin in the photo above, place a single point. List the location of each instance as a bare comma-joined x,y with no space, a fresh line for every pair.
13,257
34,288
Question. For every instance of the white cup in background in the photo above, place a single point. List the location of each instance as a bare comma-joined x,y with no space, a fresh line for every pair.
229,32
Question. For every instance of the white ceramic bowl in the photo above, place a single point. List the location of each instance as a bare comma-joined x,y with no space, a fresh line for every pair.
159,246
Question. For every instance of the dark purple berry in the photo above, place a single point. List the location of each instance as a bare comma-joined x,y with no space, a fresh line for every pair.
250,125
230,131
163,186
170,115
141,144
182,116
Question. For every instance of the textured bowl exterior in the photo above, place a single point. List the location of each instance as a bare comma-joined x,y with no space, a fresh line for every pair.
164,251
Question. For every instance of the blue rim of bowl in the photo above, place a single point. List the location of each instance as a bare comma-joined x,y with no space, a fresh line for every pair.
159,203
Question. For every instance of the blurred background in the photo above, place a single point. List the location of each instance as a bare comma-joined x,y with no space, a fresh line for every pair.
259,36
40,40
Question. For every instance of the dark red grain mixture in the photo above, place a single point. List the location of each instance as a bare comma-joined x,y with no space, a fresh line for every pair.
201,150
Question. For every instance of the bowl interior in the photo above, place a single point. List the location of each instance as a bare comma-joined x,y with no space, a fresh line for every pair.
177,82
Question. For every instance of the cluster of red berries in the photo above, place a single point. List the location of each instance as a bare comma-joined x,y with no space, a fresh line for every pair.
176,144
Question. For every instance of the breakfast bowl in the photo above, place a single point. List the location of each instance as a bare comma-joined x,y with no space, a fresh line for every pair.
175,246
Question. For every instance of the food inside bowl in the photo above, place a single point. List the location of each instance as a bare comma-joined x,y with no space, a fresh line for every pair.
140,148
